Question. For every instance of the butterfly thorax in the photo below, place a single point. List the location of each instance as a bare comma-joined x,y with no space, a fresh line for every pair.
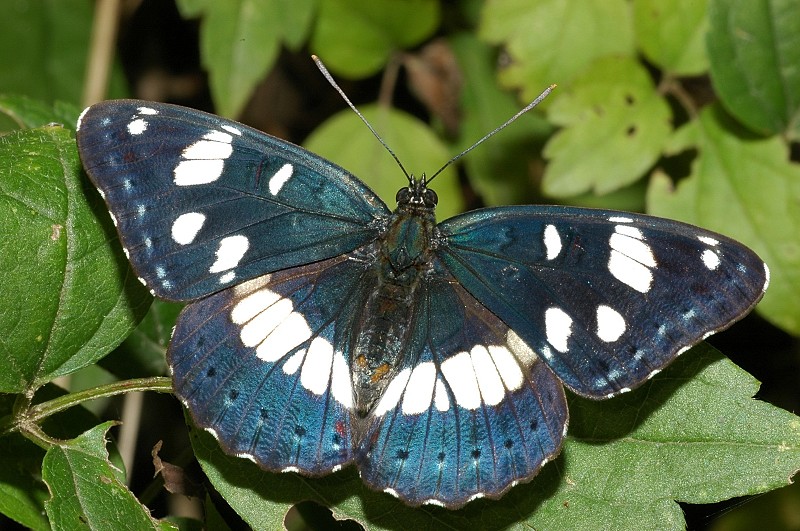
404,259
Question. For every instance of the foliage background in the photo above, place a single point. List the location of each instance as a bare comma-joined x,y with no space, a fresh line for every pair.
682,108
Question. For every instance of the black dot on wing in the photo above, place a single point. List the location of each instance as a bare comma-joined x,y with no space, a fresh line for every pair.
299,431
476,454
534,425
211,372
234,394
402,454
508,444
264,414
441,456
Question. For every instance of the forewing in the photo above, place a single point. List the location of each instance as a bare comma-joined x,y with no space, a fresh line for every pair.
606,298
202,203
472,412
266,365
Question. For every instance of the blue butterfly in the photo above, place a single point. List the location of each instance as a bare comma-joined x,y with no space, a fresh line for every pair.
324,329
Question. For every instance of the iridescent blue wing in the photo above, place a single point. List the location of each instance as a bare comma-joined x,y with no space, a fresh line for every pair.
265,365
606,298
472,411
202,203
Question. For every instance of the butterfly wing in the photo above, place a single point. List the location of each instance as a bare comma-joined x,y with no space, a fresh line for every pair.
265,365
606,298
472,412
202,203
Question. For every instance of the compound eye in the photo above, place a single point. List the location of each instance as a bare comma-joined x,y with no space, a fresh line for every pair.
430,198
403,196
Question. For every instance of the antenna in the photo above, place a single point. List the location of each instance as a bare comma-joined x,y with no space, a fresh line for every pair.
333,83
496,130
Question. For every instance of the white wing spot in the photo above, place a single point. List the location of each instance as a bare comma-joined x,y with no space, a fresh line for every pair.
489,382
461,377
552,242
253,304
281,336
558,327
421,384
203,161
627,230
633,248
394,391
708,240
440,398
293,363
277,181
230,252
316,371
620,219
710,259
227,277
231,129
194,172
137,126
630,272
507,367
261,325
217,136
186,227
208,149
341,384
148,111
610,323
631,258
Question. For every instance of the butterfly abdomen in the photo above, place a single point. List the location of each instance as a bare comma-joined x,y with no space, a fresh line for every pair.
386,323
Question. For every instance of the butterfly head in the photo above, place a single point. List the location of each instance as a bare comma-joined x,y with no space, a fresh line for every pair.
417,193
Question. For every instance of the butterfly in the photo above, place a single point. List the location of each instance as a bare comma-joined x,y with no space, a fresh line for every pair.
324,329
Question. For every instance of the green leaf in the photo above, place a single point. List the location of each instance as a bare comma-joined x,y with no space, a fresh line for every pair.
754,46
74,296
355,38
671,34
692,434
87,490
22,493
240,40
345,140
500,169
614,126
746,188
143,352
29,113
552,41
